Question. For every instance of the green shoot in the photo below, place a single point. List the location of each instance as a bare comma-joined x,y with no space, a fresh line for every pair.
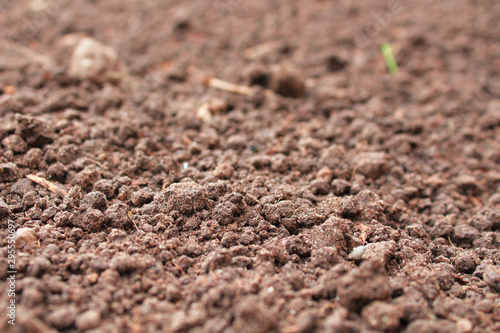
390,61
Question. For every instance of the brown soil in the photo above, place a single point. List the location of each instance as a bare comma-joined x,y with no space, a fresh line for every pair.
331,197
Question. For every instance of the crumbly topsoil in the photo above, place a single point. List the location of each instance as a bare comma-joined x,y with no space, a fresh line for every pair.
334,197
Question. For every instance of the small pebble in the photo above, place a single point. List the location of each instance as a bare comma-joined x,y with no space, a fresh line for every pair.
25,235
88,320
382,251
92,60
325,173
464,326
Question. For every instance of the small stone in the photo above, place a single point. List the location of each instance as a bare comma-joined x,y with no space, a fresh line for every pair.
92,60
25,235
92,277
464,326
88,320
9,90
203,112
325,173
382,251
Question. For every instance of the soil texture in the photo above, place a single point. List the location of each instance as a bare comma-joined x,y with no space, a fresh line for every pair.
250,166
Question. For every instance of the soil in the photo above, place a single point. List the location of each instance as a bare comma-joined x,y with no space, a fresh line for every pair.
330,196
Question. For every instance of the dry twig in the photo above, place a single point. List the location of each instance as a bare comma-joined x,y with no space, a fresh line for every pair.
228,86
48,185
260,49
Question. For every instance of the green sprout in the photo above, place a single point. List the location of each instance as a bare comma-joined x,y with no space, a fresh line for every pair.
390,61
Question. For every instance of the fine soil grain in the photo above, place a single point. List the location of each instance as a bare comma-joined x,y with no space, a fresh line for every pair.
320,194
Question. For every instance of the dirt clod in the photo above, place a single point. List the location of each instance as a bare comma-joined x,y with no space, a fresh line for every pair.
371,164
382,316
287,80
187,197
117,216
491,276
465,263
15,143
8,172
363,285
